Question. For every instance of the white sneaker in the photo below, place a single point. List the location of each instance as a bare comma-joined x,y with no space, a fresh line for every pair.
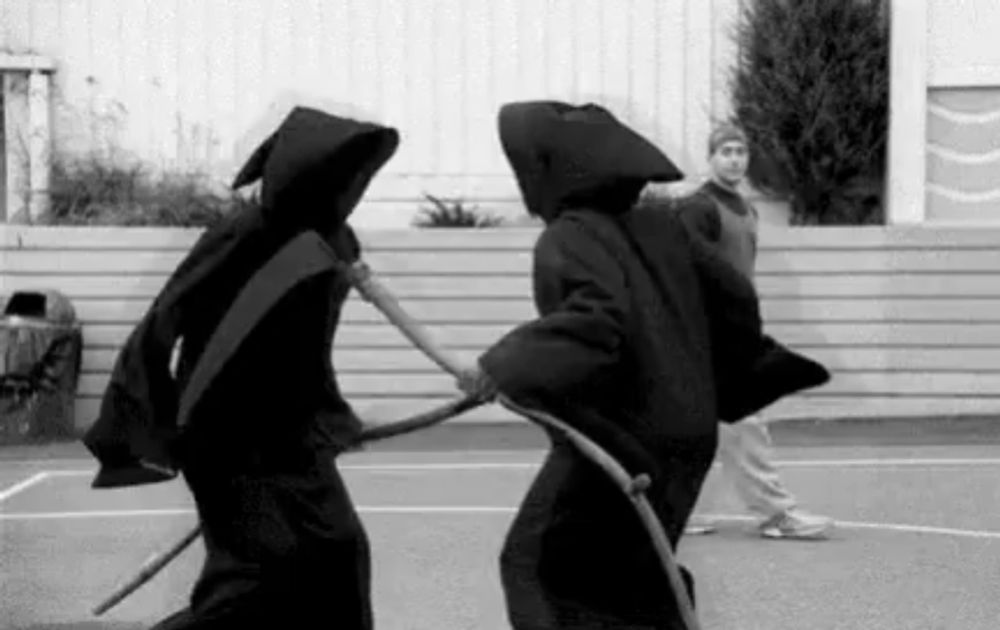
796,525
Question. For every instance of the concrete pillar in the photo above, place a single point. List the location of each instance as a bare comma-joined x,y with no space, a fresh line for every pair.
27,137
907,157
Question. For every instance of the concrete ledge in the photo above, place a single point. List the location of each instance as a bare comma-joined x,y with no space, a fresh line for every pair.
26,63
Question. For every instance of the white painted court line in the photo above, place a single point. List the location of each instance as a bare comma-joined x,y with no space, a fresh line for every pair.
887,462
894,527
489,509
56,516
7,493
519,453
922,529
793,463
378,509
535,457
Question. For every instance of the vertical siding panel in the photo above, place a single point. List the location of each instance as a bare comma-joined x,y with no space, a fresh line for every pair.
363,58
70,122
296,68
201,76
643,70
615,47
724,15
395,97
337,49
420,152
506,44
17,26
697,78
562,71
670,79
188,125
589,61
432,84
498,52
221,70
531,50
376,18
104,98
278,52
44,29
481,108
311,62
163,41
252,95
6,22
452,105
135,80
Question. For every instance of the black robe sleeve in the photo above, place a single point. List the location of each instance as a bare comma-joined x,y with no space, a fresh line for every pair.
701,218
132,436
752,370
583,302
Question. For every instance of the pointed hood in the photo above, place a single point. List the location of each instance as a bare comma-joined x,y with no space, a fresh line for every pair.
566,156
315,168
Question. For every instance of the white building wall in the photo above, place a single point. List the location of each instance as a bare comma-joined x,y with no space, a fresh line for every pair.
195,84
945,113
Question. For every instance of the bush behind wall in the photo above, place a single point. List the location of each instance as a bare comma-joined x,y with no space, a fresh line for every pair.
811,87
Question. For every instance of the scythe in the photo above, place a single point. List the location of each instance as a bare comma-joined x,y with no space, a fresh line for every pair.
364,281
372,291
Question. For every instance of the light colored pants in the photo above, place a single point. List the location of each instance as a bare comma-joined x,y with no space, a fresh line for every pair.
746,455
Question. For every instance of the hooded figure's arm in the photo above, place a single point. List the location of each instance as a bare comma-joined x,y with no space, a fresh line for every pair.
137,418
700,218
583,301
752,370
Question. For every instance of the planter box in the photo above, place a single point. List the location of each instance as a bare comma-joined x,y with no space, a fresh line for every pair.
908,319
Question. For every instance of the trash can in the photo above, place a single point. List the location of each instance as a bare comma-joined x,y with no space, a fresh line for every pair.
41,348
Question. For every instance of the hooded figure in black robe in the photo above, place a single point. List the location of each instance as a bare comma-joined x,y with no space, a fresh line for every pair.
254,417
623,349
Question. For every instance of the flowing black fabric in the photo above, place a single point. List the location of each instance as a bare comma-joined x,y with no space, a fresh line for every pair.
644,339
619,350
313,170
255,307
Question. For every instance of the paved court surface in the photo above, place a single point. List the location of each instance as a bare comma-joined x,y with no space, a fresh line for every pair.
917,547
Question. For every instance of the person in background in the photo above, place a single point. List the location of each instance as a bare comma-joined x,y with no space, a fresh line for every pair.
719,214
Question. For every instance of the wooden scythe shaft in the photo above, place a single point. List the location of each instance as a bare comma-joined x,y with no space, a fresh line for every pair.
155,563
372,291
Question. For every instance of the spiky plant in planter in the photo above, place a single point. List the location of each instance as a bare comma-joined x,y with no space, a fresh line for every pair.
811,87
453,214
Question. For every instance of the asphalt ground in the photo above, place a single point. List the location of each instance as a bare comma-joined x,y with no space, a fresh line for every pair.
917,542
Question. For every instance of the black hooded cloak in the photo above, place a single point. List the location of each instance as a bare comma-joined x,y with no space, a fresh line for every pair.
625,349
313,169
254,417
621,351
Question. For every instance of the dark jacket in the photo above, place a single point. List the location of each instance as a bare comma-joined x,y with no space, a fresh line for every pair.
278,262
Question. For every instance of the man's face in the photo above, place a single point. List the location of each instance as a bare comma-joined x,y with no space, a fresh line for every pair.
729,162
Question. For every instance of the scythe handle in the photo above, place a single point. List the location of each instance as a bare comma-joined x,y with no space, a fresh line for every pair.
372,291
151,567
156,562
